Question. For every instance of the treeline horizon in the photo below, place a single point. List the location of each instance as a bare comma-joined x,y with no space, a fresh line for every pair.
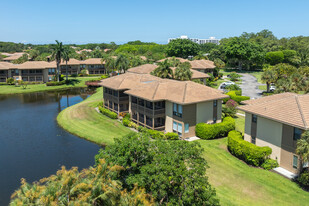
9,46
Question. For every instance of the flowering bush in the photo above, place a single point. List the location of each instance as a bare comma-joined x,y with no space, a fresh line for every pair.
230,108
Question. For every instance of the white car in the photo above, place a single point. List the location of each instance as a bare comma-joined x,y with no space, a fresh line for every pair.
224,84
272,88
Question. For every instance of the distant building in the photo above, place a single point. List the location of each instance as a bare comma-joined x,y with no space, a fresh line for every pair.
198,41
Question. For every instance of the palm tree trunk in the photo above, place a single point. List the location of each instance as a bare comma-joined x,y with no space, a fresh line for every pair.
58,71
66,70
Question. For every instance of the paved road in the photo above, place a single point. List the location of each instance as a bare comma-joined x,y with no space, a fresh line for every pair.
250,86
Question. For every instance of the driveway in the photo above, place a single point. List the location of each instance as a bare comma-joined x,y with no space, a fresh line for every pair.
250,86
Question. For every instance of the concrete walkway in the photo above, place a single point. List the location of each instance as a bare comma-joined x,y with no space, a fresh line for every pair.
285,173
190,139
250,86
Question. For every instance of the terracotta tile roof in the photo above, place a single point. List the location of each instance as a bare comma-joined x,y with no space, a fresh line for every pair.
143,69
92,61
143,58
288,108
34,65
180,59
5,65
127,81
269,98
195,74
148,68
202,64
181,92
71,62
12,57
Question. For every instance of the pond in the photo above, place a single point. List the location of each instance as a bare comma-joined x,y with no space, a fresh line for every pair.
32,145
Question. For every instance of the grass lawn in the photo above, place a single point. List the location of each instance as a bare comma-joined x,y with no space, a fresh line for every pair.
84,121
263,87
12,89
237,183
240,123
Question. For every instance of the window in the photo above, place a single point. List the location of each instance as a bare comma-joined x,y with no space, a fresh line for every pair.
177,110
215,103
187,128
177,128
297,133
295,161
254,118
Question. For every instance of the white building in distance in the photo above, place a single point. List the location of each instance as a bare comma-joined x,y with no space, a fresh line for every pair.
198,41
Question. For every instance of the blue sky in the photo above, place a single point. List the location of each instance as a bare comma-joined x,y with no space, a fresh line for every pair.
85,21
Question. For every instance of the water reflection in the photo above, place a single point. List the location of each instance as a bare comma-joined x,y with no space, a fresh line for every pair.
32,145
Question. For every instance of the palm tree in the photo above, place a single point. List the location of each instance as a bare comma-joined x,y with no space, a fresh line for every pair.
183,72
66,58
303,148
58,51
122,63
163,70
268,77
110,63
174,62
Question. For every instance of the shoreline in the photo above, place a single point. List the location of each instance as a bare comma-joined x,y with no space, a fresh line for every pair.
32,88
83,121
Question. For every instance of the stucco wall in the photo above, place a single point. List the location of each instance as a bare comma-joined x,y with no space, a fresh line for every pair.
247,135
204,112
168,116
269,131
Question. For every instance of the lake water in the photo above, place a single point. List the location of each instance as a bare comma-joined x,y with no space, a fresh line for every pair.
32,145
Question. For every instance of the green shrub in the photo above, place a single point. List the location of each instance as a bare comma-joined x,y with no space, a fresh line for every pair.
247,151
233,95
74,75
126,122
212,131
303,179
172,136
270,164
52,83
108,113
154,134
10,81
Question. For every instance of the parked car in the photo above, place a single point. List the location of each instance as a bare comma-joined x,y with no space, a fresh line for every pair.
225,84
272,88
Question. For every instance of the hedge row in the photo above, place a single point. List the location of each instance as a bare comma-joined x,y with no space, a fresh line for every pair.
233,95
55,83
152,133
108,113
212,131
247,151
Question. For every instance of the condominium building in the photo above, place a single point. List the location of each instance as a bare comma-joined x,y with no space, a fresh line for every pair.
42,71
277,121
148,68
204,66
198,41
163,104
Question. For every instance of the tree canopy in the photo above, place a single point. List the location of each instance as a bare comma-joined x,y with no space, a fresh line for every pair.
182,48
172,172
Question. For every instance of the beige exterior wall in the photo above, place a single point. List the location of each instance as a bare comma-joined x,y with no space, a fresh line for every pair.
247,135
168,116
204,112
277,136
219,106
269,130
